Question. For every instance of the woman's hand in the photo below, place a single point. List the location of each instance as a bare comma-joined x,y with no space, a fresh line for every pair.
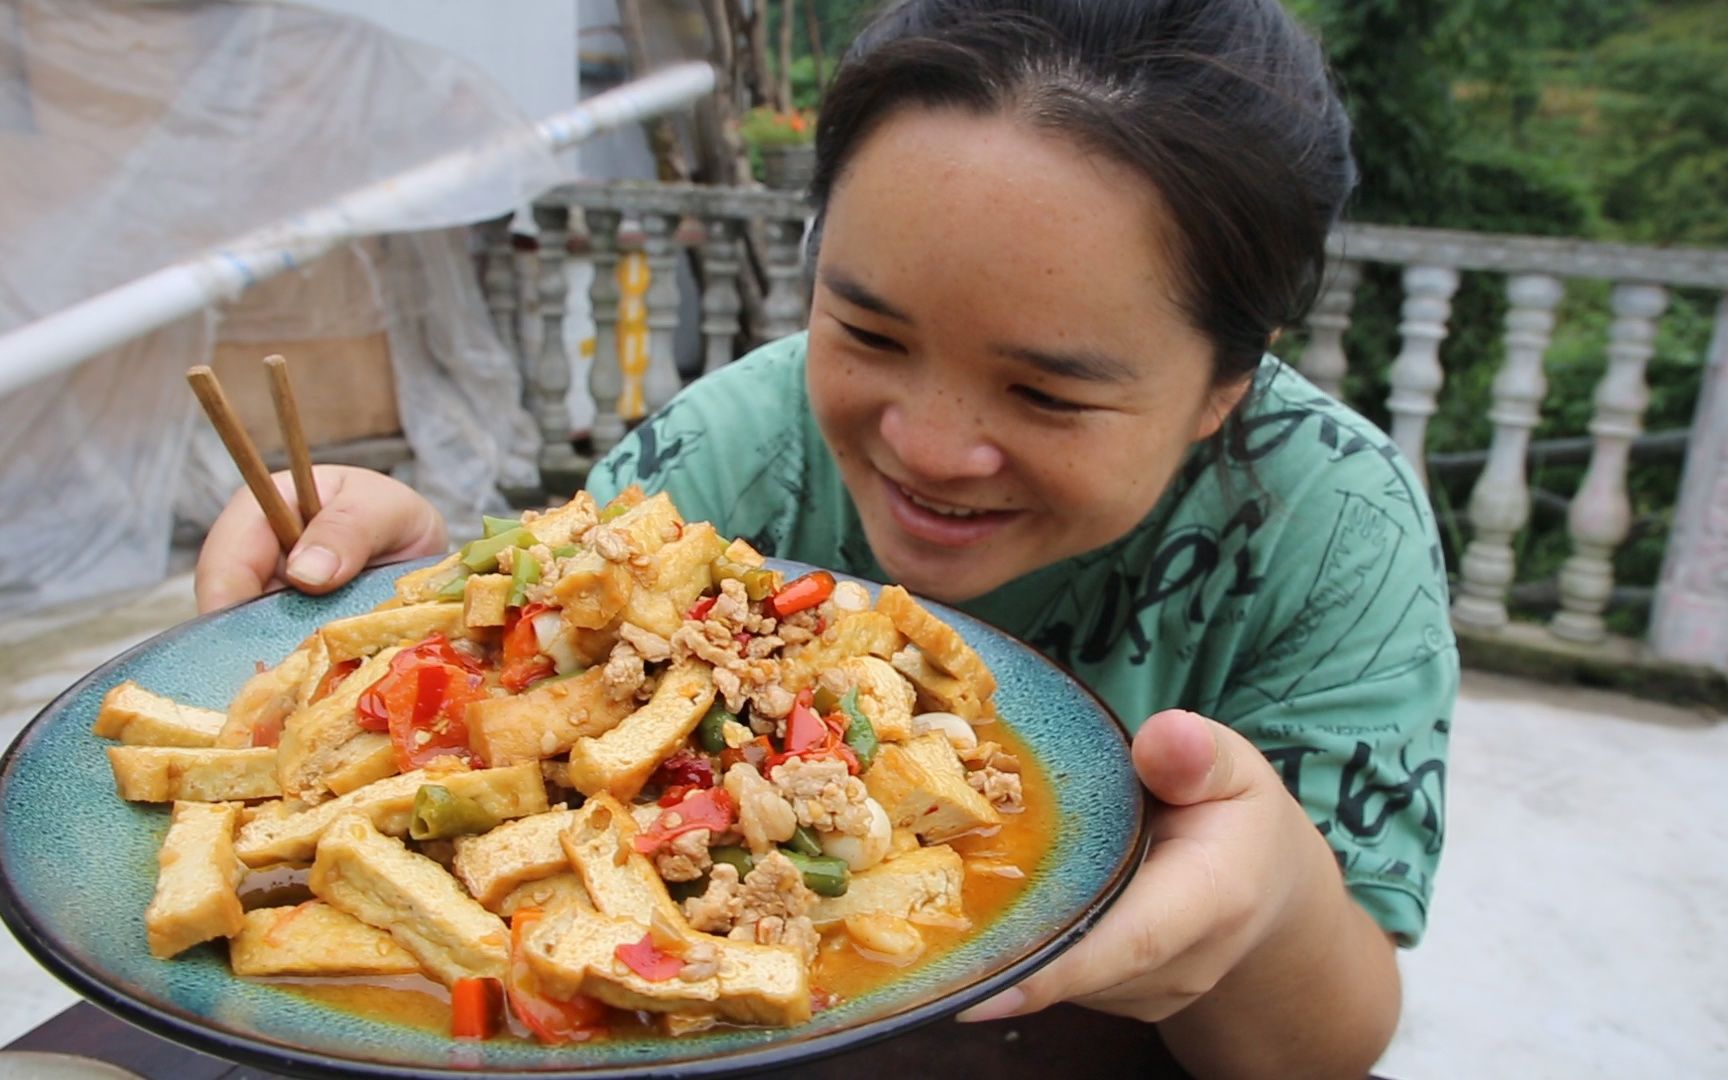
1239,911
367,517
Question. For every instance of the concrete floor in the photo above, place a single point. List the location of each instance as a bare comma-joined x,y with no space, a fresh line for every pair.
1580,928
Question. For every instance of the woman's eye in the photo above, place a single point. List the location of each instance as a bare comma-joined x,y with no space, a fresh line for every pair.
870,340
1040,399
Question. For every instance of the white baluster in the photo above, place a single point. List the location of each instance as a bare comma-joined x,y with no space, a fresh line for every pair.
1416,376
721,304
1601,513
499,283
783,309
560,468
1500,504
1689,623
605,377
1323,361
661,381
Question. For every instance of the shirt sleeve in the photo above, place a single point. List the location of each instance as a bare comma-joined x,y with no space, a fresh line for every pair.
1348,682
727,448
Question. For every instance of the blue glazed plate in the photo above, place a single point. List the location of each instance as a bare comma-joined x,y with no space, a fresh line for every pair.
78,867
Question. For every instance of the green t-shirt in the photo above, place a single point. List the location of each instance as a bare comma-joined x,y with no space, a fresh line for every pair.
1297,593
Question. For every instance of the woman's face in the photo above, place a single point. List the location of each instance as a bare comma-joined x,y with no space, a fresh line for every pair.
995,357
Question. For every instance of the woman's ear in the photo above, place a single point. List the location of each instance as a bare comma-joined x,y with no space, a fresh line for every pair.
1221,401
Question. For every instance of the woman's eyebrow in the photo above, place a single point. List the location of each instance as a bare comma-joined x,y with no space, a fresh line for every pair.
1088,365
854,292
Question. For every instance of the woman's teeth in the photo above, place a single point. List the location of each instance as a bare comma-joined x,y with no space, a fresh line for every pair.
940,508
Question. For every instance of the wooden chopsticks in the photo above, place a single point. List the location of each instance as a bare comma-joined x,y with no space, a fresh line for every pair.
283,521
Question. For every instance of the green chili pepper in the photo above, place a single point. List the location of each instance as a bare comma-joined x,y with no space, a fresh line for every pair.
565,551
438,814
457,587
491,526
481,556
860,732
823,874
804,842
613,511
735,857
825,701
710,732
758,580
524,573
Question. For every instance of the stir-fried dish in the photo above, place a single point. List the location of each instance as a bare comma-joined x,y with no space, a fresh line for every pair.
600,768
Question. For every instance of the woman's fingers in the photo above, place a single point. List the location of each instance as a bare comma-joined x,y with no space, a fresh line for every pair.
367,517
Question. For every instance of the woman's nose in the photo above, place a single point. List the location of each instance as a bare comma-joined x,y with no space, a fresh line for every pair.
937,443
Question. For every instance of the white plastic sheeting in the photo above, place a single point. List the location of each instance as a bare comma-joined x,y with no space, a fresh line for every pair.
133,136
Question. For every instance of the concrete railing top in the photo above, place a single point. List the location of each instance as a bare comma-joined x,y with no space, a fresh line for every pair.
1511,254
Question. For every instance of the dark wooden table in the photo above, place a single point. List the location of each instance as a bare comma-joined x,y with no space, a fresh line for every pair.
1065,1041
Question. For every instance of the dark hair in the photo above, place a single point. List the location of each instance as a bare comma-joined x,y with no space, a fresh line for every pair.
1223,105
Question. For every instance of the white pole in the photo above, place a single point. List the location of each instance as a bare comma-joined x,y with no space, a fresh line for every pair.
72,335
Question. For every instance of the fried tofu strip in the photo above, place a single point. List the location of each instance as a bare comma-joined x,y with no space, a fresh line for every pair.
494,863
884,695
545,720
750,983
363,635
512,792
486,601
942,644
549,894
593,589
315,740
599,843
315,939
421,586
137,717
922,785
621,760
193,774
271,696
376,879
197,881
863,633
565,524
939,691
678,573
921,885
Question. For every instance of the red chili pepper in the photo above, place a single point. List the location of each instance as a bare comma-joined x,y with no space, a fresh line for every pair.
647,961
333,678
684,769
801,594
804,729
474,1005
552,1021
710,808
702,608
524,663
422,702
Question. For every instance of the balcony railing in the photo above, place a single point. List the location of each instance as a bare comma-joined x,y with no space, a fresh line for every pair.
1689,622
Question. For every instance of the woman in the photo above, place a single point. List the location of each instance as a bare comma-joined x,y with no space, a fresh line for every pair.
1054,239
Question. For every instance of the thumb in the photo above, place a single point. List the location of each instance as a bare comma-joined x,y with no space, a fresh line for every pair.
1183,758
366,518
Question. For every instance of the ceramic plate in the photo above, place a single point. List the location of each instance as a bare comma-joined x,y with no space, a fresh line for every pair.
78,866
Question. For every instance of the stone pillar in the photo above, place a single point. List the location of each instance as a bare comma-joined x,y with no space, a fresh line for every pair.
721,304
1601,513
499,284
660,382
783,309
1689,623
1416,376
1500,503
605,378
560,468
1323,361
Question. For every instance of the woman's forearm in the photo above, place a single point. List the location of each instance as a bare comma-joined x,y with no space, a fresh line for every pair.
1319,998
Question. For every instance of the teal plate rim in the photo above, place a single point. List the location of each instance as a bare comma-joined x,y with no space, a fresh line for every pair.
36,932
